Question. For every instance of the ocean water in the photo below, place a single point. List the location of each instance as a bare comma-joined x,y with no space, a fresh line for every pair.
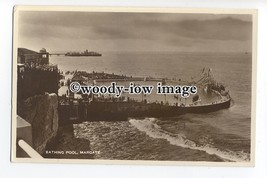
224,135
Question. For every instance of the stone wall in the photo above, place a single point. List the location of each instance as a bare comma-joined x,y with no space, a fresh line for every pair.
41,111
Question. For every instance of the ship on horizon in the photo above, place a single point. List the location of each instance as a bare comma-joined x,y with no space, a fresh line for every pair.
85,53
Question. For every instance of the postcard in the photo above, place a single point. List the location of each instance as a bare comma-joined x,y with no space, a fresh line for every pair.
160,86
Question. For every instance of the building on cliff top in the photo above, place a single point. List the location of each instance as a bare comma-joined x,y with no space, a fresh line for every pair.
34,74
26,56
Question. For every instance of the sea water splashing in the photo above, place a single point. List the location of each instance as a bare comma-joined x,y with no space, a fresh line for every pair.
153,130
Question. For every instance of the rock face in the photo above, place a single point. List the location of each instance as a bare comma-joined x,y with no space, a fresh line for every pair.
41,111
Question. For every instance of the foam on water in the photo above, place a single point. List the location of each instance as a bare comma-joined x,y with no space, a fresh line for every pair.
153,130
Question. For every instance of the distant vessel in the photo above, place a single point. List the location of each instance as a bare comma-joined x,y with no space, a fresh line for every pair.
85,53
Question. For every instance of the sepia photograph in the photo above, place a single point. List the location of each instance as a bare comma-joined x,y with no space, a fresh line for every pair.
134,85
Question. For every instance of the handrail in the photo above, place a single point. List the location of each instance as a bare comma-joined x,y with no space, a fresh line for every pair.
29,150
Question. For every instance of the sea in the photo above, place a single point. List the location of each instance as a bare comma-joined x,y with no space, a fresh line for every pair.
222,136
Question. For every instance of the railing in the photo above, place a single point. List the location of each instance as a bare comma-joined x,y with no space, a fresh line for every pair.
29,150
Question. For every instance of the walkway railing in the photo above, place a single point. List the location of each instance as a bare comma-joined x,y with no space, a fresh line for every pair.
29,150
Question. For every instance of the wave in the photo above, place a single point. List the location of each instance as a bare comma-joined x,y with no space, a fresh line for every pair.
153,130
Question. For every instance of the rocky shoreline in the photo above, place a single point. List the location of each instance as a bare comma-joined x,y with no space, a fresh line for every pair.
65,146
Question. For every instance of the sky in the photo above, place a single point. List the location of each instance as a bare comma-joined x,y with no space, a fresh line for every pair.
122,31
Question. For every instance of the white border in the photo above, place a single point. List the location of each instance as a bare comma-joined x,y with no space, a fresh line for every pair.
69,170
47,9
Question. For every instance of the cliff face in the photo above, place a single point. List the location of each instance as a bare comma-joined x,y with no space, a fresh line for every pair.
41,112
36,81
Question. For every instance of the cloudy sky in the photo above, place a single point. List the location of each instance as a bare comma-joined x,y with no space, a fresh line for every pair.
110,31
